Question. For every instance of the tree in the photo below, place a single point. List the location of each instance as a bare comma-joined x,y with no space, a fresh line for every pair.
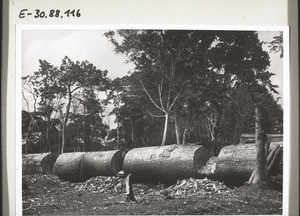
161,57
53,83
185,74
276,45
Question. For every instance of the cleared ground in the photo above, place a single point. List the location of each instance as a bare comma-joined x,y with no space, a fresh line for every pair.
48,195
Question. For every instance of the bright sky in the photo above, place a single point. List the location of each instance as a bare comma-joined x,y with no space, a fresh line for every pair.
92,45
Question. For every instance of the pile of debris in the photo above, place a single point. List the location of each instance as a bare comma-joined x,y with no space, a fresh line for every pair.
101,184
191,187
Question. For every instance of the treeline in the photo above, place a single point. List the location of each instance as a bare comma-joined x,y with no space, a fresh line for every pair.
187,86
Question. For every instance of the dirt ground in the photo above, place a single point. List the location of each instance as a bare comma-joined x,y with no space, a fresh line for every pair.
48,195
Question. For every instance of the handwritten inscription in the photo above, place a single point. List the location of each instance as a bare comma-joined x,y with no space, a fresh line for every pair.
53,13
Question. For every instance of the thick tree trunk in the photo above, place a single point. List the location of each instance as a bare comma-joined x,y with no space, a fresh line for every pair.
80,166
68,166
165,163
246,151
236,163
164,138
231,170
261,140
102,163
38,163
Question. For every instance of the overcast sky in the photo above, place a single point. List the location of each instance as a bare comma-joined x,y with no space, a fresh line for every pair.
92,45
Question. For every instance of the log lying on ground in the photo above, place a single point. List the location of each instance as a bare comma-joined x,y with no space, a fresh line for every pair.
68,166
231,170
165,163
105,163
250,138
38,163
236,163
246,151
80,166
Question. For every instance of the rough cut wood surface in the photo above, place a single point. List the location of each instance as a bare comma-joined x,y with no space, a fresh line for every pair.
102,163
68,166
246,151
80,166
230,170
38,163
165,162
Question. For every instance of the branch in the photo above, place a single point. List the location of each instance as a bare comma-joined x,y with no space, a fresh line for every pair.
150,95
157,116
74,89
175,99
160,98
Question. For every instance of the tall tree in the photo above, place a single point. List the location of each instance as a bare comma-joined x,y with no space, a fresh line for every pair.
161,63
188,73
64,81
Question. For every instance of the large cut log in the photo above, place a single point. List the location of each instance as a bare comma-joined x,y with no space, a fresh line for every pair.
250,138
68,166
105,163
246,151
80,166
38,163
231,170
165,163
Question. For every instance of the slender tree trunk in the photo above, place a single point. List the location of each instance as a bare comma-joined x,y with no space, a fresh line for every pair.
132,131
261,140
163,142
118,131
187,127
26,144
65,123
177,129
47,135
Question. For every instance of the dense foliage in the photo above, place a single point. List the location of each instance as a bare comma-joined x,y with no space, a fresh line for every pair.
187,86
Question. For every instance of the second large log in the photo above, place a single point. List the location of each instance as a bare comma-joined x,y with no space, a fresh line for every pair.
165,163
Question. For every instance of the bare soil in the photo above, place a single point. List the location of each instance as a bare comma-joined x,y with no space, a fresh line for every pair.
48,195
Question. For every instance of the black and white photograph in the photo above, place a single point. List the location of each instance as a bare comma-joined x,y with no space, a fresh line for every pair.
153,121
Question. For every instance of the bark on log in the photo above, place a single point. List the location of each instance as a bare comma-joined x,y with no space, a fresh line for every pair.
246,151
38,163
233,171
165,163
105,163
68,166
80,166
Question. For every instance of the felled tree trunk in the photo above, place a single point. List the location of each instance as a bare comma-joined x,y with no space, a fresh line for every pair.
165,163
105,163
38,163
246,151
80,166
231,170
68,166
236,163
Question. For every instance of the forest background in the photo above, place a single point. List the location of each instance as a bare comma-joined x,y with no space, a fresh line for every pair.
176,86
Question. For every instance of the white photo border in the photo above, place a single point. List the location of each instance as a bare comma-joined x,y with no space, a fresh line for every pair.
286,89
